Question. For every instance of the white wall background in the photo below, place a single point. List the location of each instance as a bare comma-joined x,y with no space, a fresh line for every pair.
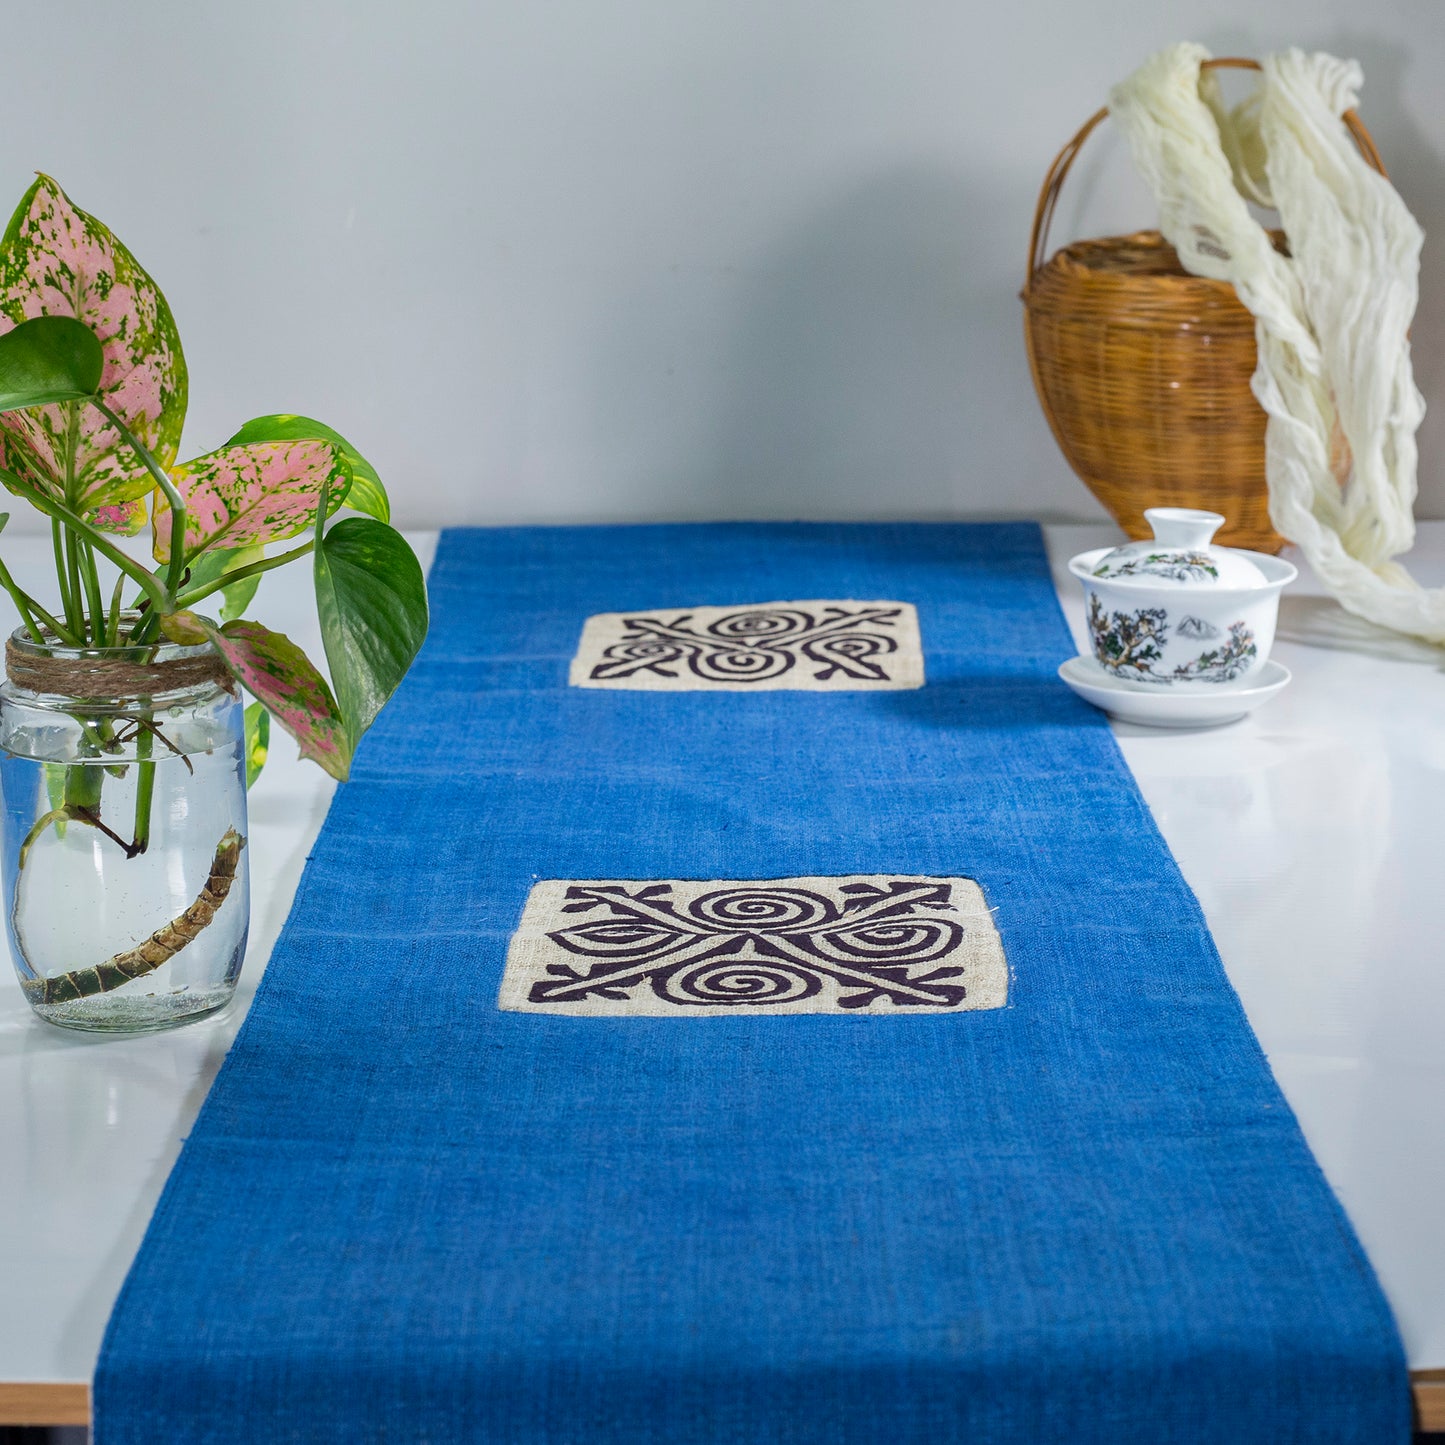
613,259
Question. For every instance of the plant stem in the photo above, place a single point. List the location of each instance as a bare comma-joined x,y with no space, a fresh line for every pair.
30,609
82,787
57,543
145,783
79,803
76,614
91,578
58,816
150,585
163,945
173,497
241,573
112,624
145,629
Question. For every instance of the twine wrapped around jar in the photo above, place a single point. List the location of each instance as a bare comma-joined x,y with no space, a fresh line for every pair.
35,669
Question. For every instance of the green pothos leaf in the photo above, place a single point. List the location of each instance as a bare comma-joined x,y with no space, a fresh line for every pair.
55,260
49,359
249,495
258,741
367,493
371,598
236,597
213,564
276,672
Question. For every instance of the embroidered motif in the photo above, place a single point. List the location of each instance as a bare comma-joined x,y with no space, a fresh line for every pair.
856,944
812,646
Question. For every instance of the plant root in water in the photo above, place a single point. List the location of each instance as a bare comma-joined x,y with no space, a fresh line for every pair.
159,948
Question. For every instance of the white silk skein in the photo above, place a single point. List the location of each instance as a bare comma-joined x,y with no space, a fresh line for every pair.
1332,319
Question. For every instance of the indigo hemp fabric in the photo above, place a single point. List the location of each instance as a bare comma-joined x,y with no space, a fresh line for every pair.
405,1214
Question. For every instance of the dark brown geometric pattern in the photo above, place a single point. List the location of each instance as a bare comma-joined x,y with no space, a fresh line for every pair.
804,645
801,945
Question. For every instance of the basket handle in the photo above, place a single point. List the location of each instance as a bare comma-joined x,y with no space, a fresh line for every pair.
1063,162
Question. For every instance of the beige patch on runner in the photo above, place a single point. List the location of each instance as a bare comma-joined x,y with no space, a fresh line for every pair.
862,944
811,646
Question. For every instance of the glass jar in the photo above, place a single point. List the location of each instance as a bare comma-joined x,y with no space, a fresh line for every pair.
125,874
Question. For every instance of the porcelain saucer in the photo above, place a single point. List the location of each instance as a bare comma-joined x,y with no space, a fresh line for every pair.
1167,707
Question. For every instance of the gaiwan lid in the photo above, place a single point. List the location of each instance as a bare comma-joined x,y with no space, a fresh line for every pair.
1181,555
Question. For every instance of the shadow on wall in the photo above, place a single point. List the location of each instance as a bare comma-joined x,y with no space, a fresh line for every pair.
871,363
878,353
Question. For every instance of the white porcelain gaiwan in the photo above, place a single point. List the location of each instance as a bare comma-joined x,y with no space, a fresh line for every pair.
1179,612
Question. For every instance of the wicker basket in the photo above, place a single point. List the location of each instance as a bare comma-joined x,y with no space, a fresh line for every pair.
1143,370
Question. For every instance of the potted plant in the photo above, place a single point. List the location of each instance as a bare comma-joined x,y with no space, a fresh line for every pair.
124,745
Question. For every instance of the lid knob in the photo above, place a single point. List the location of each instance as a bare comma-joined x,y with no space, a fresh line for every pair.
1182,526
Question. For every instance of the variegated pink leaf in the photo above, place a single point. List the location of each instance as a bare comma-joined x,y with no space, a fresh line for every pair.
260,492
15,459
125,519
57,261
272,668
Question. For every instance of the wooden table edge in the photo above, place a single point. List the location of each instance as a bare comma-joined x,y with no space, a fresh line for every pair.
56,1403
44,1402
1428,1387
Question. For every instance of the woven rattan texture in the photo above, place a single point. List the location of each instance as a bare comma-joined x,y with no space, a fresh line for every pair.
1143,370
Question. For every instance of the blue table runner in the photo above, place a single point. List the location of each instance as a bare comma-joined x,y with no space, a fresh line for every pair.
407,1215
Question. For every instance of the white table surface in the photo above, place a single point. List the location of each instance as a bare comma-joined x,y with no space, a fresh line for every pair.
1310,831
